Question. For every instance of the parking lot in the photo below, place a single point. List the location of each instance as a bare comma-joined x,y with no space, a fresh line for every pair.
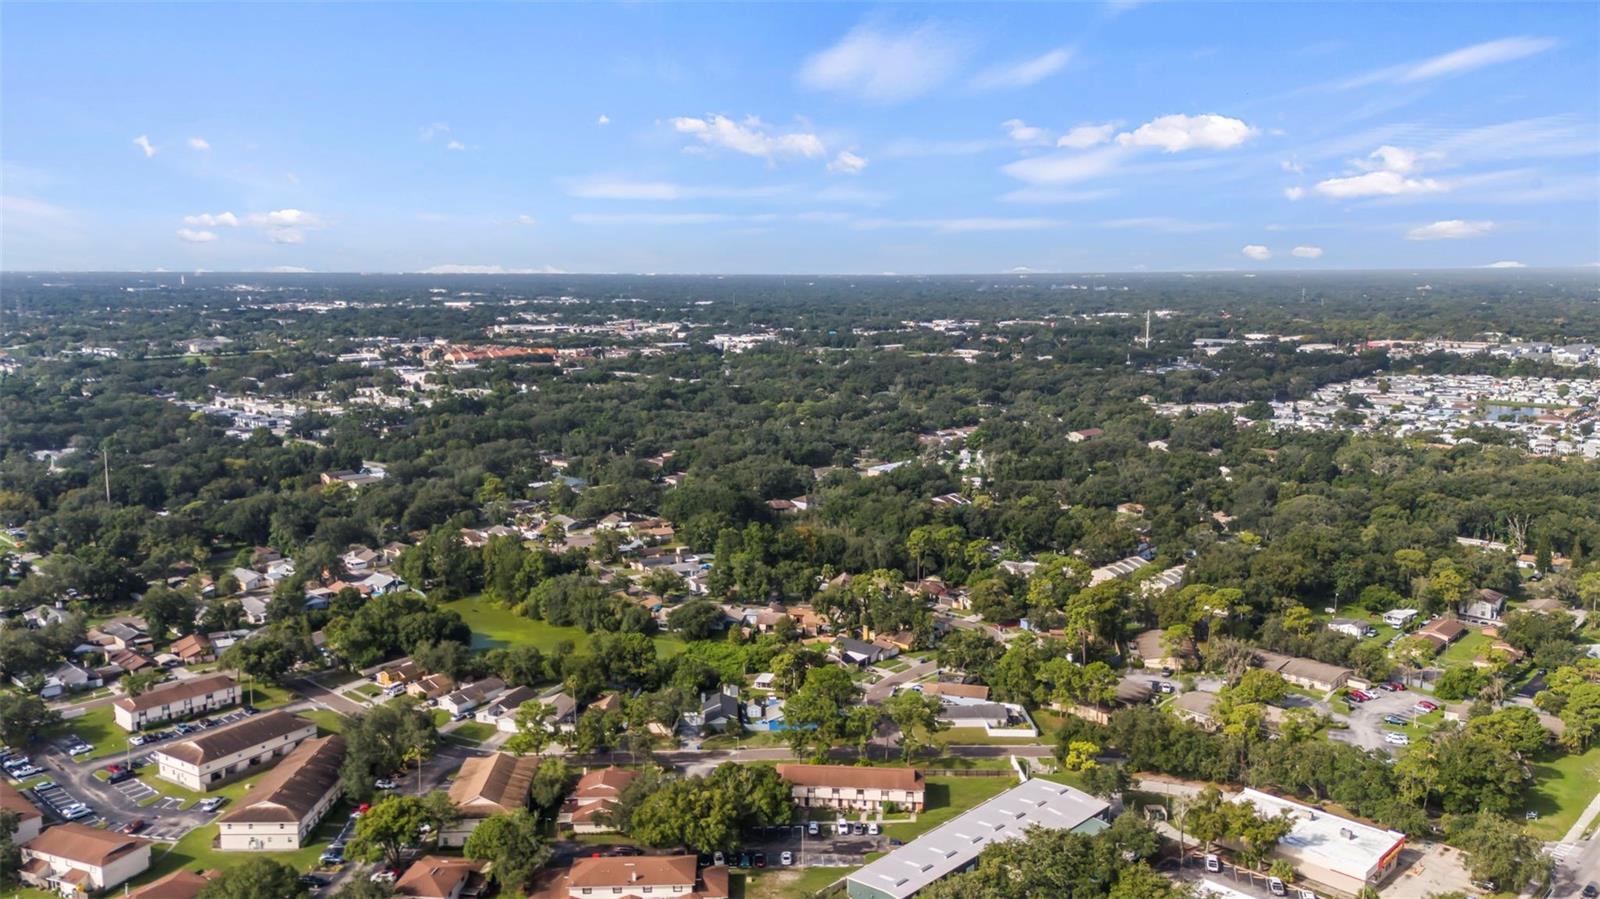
63,803
1367,725
827,849
188,728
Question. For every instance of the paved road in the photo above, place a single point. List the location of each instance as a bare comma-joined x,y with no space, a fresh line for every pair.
1577,859
881,690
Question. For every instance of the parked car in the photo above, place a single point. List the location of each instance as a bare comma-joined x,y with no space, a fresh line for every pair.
873,828
813,829
760,859
134,826
1276,887
1530,815
1396,739
787,857
719,859
384,783
1397,686
1424,706
1213,864
331,856
383,875
1396,720
861,829
1591,891
210,805
1162,686
120,776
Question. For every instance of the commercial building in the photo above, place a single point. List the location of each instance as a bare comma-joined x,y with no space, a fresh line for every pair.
854,787
1339,853
76,860
956,844
486,786
174,700
649,875
282,809
218,756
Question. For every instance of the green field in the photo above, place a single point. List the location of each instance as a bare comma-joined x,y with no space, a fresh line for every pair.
977,736
783,883
1562,789
328,722
1464,650
100,730
494,626
948,797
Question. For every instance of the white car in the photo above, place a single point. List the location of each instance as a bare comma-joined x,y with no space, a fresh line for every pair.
384,783
787,857
813,829
1395,739
873,828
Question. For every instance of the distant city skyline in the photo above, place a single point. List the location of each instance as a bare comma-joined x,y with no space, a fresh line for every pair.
805,139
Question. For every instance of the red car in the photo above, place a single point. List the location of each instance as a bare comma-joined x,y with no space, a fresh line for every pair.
1397,686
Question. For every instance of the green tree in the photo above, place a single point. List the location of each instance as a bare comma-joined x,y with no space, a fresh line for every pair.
1498,850
817,713
396,823
23,717
515,846
532,734
917,717
255,878
378,744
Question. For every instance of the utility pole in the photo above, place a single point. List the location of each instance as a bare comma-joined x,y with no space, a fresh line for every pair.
1147,329
105,458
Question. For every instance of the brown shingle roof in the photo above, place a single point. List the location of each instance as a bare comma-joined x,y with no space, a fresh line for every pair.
13,801
88,845
965,691
177,885
852,777
226,741
644,870
435,877
493,784
192,645
177,691
291,790
604,783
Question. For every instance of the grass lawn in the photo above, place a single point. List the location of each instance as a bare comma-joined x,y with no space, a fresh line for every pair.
194,852
1563,787
786,883
328,722
494,626
265,696
99,729
476,731
440,717
745,740
946,798
1464,650
977,736
1070,778
368,690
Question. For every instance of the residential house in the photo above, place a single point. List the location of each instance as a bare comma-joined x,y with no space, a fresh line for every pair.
215,757
860,653
1197,707
471,696
675,876
1352,627
486,786
1152,648
856,788
955,693
359,560
1441,632
42,616
1085,434
1307,673
401,674
29,819
718,710
441,877
192,649
77,860
67,677
255,609
431,686
248,579
121,635
175,699
127,661
281,811
1483,607
597,792
504,706
1399,618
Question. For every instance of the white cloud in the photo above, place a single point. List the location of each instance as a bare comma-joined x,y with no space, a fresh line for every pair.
603,119
207,220
1064,169
1024,72
143,143
431,131
1053,195
290,270
654,218
189,235
456,268
1257,252
282,218
1506,264
1162,224
601,188
885,67
1377,184
1294,193
1307,252
455,145
286,235
1085,136
1392,159
848,163
750,137
527,220
1023,133
1176,133
975,224
199,143
1450,229
1474,57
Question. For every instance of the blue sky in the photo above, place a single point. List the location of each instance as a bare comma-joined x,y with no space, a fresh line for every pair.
799,138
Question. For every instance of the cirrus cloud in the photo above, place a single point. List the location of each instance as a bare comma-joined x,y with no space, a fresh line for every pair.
882,66
1450,229
1024,73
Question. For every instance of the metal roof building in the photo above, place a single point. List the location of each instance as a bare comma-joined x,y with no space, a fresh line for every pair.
956,844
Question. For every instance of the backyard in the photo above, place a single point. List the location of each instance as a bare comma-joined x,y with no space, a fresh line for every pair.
494,626
948,797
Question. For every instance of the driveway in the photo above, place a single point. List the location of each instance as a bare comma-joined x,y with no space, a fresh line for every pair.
881,690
